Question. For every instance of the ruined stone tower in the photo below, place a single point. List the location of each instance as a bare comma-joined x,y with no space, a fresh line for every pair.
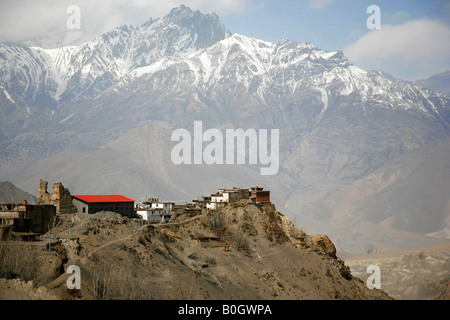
60,197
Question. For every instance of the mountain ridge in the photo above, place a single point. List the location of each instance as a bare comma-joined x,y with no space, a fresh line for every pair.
338,123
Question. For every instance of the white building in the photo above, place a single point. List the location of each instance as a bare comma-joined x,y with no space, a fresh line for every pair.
165,206
154,210
154,203
225,196
154,214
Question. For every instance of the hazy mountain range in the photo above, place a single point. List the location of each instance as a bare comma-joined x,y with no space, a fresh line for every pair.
363,157
439,82
9,193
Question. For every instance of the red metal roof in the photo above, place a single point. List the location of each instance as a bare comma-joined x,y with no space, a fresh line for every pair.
103,198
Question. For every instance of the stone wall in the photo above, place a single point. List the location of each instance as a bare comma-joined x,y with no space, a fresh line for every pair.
60,197
35,218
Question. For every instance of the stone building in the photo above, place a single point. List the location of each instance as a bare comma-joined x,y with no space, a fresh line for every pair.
259,195
27,218
60,197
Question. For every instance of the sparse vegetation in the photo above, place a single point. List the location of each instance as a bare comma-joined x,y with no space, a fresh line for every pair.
241,240
274,231
17,260
345,272
215,222
119,282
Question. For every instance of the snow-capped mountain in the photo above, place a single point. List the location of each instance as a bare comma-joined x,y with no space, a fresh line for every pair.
260,68
186,66
338,123
193,52
46,77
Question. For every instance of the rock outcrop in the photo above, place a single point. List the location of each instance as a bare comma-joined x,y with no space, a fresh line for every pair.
321,243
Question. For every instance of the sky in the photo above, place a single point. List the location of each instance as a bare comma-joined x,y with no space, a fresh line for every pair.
412,41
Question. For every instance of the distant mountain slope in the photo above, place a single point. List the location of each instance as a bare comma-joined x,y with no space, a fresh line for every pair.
395,206
390,77
246,82
410,193
9,193
138,165
439,82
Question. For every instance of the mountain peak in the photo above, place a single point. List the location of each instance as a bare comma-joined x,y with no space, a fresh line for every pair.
183,15
181,10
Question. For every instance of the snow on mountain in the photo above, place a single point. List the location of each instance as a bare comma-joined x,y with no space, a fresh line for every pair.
191,55
201,45
7,95
81,72
262,68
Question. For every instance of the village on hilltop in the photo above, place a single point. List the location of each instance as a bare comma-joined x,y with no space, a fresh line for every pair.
30,221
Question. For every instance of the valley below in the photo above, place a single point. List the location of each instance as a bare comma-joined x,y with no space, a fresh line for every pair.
421,273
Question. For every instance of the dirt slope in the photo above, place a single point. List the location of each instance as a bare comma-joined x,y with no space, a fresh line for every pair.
242,252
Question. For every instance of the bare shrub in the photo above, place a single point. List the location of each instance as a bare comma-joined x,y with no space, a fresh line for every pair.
345,272
215,222
249,228
120,283
142,240
241,240
17,260
101,280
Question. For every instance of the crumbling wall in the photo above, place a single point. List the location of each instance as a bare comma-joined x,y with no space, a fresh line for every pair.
60,197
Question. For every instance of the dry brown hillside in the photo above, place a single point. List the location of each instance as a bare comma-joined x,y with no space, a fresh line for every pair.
241,252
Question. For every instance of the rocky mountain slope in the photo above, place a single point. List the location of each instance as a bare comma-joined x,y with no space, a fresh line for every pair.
9,193
241,252
103,112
